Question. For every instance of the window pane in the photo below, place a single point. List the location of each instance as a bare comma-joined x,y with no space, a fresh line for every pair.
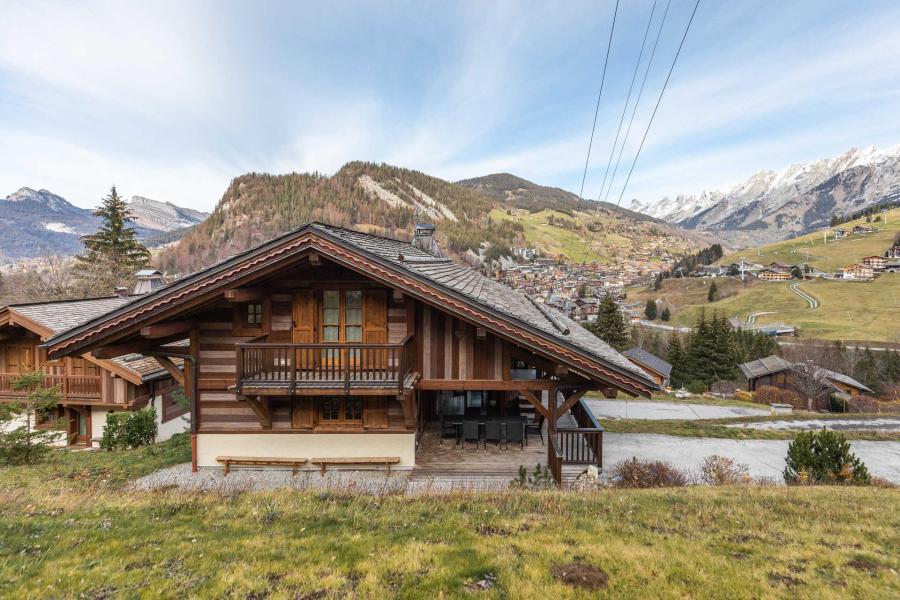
331,316
353,409
331,409
353,298
354,334
354,316
330,333
332,298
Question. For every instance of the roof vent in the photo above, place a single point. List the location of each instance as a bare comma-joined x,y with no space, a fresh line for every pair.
424,240
148,280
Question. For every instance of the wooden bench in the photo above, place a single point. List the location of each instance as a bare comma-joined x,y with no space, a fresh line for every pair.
387,461
294,463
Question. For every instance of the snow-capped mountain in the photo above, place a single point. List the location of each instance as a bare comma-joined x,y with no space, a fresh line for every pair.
38,222
775,205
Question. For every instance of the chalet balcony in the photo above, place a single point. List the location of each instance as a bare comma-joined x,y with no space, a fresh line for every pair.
282,369
71,387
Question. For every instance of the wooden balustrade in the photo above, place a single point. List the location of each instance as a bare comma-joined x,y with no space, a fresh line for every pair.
347,365
70,386
554,460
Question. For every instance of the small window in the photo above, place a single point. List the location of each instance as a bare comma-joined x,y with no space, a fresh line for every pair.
254,314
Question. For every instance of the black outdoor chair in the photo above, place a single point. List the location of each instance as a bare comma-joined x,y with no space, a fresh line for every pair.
470,432
515,433
535,427
492,432
448,429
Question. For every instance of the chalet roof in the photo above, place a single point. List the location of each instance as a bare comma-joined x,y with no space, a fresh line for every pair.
775,364
441,272
651,361
61,316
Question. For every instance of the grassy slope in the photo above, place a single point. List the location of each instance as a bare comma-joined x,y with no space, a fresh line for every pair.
551,239
830,256
68,529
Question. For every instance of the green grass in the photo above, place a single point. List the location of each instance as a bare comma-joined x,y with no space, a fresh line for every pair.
718,428
829,256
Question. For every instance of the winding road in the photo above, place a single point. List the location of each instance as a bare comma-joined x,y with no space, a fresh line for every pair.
811,301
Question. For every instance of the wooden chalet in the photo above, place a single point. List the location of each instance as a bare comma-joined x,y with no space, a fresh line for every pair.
90,387
330,347
858,272
776,371
653,365
773,274
876,262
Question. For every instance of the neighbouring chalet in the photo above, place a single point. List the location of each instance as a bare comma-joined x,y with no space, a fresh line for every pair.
772,274
858,272
329,347
875,262
776,371
656,367
89,387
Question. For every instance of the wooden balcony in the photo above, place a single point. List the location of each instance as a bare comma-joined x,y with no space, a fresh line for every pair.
289,369
71,387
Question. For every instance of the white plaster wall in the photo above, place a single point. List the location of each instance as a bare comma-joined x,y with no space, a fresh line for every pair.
98,422
306,445
60,439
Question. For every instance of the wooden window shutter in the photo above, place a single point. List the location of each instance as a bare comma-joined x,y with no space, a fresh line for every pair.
304,318
375,317
375,414
303,414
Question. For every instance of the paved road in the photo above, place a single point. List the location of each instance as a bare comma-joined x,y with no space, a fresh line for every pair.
751,318
812,302
636,409
764,458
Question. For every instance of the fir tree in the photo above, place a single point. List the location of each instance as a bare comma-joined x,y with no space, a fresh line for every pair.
610,324
113,254
724,356
20,441
650,310
713,294
657,283
675,356
665,315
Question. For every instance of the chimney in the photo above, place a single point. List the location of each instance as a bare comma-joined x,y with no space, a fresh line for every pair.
424,240
148,280
122,292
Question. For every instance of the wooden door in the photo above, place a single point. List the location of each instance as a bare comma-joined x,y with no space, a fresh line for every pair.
79,428
375,328
20,359
303,329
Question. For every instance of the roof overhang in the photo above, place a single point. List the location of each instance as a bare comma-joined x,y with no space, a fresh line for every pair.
209,284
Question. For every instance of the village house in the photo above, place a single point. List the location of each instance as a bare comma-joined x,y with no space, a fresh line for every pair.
777,372
770,274
857,272
660,370
863,229
839,232
893,251
876,262
330,348
90,387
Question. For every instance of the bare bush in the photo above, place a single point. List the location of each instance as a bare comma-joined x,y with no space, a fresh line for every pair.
721,470
636,473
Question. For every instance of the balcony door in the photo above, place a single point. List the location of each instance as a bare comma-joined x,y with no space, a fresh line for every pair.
341,321
19,359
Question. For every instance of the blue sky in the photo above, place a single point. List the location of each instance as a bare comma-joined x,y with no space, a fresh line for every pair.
173,100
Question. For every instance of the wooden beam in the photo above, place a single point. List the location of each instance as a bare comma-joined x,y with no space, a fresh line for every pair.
398,296
407,402
135,346
538,405
480,333
163,330
314,259
463,385
171,368
570,402
262,408
245,294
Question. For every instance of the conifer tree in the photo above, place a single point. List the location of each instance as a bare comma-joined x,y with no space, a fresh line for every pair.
113,254
675,356
713,294
610,325
650,310
666,314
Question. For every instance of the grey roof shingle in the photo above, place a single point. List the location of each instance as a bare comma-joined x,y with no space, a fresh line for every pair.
650,360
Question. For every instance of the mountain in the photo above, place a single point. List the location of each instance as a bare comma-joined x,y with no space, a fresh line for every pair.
34,223
521,193
776,205
162,216
480,216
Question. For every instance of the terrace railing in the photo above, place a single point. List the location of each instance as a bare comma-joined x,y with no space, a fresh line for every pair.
86,387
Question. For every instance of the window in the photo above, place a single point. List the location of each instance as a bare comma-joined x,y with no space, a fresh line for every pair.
254,314
342,409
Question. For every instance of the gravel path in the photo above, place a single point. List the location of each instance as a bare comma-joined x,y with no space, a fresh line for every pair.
880,424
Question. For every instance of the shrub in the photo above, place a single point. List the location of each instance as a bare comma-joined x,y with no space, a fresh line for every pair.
823,457
635,473
696,387
769,394
541,479
129,429
838,404
721,470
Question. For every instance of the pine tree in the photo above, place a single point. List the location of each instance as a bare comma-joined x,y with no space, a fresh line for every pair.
610,325
113,254
713,294
20,441
666,314
724,357
657,283
675,356
650,310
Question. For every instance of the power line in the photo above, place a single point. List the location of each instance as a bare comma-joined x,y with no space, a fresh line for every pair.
637,102
653,114
628,97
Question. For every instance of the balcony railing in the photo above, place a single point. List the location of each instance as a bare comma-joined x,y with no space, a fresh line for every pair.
85,387
291,367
